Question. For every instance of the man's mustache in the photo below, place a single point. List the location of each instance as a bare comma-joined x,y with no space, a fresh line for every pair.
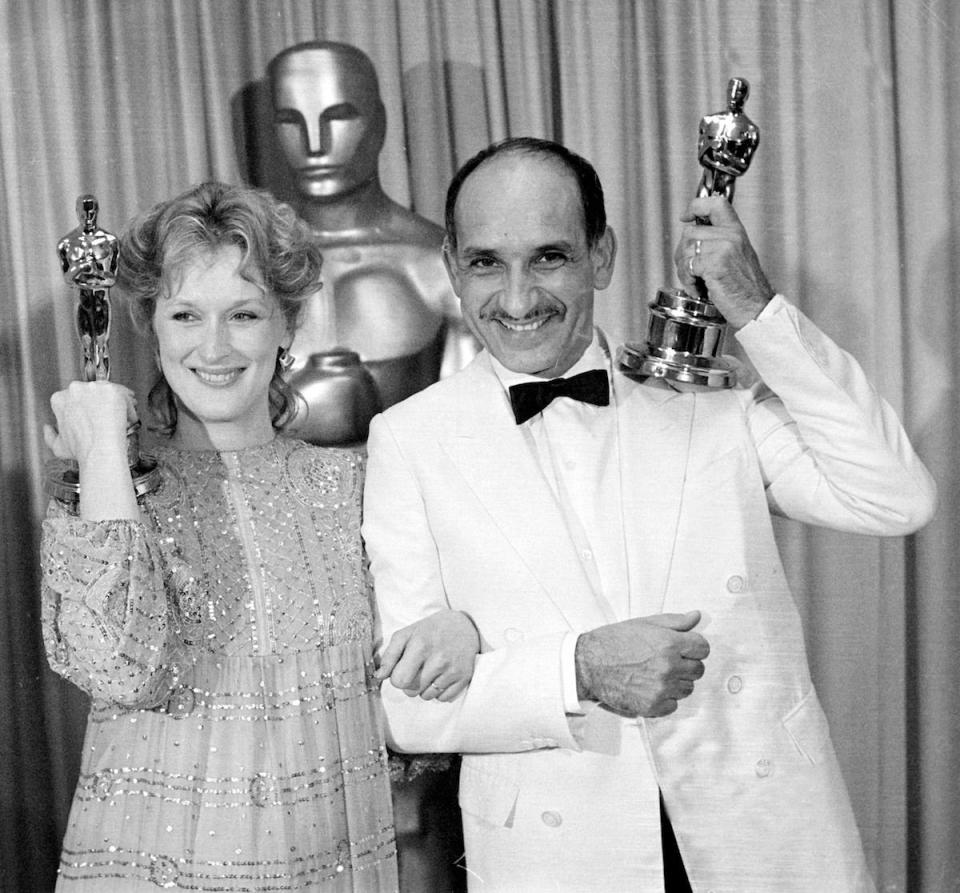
538,312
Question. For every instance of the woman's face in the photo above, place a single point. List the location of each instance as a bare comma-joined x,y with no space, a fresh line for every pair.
218,335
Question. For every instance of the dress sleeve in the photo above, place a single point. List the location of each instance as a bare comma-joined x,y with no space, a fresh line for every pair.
106,623
831,450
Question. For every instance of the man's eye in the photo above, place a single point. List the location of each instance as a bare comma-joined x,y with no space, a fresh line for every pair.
551,260
481,263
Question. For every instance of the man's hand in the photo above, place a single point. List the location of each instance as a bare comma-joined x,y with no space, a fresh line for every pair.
726,262
432,658
642,666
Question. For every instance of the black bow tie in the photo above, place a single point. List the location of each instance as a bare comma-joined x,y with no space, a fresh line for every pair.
531,397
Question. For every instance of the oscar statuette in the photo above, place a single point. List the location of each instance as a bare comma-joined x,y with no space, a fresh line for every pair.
89,257
685,333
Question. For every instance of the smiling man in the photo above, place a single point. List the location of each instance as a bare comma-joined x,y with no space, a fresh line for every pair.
525,267
642,715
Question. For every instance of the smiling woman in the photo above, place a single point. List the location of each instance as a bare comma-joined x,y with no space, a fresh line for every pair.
218,338
223,627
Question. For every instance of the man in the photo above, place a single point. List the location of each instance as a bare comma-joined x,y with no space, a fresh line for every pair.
604,548
386,296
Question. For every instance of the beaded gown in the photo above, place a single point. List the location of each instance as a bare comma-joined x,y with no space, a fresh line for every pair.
234,738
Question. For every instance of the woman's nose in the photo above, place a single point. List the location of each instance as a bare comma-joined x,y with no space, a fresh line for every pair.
215,343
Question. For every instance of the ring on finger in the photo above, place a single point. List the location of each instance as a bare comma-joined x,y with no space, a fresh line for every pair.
690,261
434,685
697,246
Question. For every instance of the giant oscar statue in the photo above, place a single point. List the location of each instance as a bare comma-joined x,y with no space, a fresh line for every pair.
686,332
383,327
386,319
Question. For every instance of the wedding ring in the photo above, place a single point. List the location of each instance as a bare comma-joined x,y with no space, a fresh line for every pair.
434,685
690,265
696,247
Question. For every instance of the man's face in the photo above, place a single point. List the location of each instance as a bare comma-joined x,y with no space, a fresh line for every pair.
522,268
329,121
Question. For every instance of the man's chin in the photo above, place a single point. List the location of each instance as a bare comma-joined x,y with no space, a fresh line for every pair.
526,362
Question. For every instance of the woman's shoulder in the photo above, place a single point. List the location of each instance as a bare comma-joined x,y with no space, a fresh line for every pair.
332,475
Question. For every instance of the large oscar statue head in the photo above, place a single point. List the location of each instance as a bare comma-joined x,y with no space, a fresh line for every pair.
328,117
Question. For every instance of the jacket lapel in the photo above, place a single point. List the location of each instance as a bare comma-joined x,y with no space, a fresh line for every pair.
498,464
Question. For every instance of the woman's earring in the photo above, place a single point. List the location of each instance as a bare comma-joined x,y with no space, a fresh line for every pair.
285,359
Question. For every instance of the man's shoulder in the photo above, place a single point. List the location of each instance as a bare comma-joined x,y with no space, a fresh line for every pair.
437,401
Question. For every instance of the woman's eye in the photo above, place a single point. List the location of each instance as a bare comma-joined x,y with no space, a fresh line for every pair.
245,315
182,316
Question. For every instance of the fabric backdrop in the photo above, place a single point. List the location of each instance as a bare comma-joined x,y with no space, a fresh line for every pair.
851,201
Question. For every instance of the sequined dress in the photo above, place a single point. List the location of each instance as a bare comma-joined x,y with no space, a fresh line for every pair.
234,738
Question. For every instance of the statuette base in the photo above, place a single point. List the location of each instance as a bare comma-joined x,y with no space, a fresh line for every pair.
684,343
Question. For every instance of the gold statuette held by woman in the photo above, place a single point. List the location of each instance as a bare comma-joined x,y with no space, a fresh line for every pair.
89,259
685,333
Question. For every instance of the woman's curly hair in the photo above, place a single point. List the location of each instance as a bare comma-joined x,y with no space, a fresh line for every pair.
277,248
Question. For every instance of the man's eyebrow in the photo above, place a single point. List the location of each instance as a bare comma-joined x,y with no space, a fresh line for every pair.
562,245
470,252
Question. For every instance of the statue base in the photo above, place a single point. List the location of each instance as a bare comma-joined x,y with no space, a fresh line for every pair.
684,343
63,477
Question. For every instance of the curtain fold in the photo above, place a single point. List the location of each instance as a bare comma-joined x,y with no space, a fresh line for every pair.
851,203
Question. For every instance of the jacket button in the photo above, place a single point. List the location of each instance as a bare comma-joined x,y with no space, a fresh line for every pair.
734,685
552,819
763,768
735,583
513,634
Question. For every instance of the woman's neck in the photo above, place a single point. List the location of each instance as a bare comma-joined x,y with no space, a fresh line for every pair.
193,435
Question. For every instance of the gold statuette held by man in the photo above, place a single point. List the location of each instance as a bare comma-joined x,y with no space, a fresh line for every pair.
89,258
685,334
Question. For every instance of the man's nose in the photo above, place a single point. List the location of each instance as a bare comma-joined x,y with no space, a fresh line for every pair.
520,292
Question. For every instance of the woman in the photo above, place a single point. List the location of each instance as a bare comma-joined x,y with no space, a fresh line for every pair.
223,626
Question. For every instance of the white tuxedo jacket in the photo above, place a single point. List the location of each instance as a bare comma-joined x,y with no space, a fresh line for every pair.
457,514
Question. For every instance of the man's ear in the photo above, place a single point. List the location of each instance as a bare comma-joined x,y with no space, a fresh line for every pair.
450,262
603,255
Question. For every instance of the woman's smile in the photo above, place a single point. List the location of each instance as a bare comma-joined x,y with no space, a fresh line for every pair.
219,377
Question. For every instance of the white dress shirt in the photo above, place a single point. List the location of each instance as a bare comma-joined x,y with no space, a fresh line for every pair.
578,451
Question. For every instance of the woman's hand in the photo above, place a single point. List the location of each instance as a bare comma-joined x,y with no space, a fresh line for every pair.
92,420
432,658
